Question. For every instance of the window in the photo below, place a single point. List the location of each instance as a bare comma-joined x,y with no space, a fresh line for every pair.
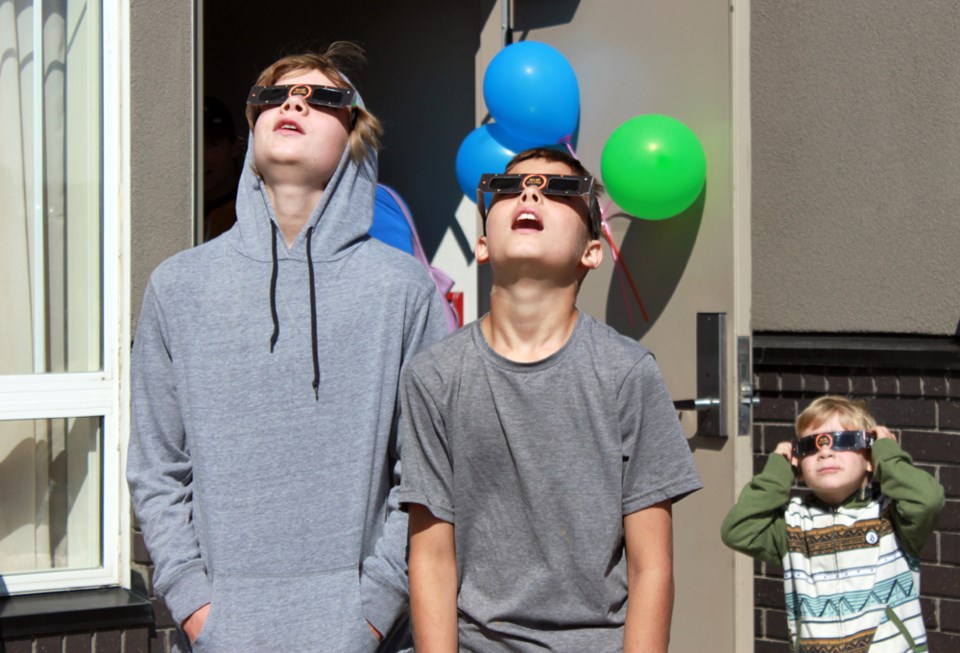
63,504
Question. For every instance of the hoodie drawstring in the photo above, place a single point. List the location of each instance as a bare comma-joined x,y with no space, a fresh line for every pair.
273,289
313,320
313,307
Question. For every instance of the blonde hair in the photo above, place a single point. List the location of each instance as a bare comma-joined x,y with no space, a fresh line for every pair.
853,414
365,131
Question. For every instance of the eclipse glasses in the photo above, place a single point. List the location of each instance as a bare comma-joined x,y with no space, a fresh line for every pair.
836,440
559,185
313,94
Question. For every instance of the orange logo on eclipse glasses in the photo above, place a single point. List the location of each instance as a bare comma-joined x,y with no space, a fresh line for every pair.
824,440
534,180
302,90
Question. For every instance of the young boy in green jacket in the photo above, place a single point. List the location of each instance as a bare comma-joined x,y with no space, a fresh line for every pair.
850,549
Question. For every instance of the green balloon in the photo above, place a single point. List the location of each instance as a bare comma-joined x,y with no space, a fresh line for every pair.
653,166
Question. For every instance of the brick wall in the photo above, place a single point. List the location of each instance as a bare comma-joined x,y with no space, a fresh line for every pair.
164,630
106,641
910,385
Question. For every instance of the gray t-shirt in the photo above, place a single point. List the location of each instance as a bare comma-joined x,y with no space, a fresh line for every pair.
536,465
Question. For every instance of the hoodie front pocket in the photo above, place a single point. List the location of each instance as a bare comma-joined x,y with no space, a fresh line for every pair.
308,612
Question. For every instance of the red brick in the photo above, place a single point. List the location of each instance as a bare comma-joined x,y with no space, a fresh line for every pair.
930,549
767,381
940,580
931,447
774,434
950,548
160,642
769,646
161,615
768,593
49,645
17,646
934,386
775,409
928,607
775,626
791,382
949,414
950,615
815,382
136,640
757,623
910,386
861,384
886,384
140,554
950,516
942,642
838,384
905,412
950,479
81,643
107,641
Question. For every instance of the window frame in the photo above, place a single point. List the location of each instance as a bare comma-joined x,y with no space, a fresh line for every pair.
104,393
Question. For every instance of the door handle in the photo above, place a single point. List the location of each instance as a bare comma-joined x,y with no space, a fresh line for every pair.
698,404
711,376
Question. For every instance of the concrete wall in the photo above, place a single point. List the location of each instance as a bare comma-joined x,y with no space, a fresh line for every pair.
856,164
162,136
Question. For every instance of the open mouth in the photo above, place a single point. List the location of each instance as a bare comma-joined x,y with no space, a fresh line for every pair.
527,220
288,126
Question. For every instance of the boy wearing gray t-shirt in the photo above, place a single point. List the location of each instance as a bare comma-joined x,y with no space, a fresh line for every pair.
541,451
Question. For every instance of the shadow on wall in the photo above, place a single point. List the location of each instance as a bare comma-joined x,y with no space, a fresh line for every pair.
538,14
656,253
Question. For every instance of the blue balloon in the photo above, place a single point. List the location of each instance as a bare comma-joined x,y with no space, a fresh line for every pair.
479,153
389,222
533,95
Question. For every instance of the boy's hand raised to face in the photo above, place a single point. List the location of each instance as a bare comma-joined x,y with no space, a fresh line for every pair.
785,449
883,433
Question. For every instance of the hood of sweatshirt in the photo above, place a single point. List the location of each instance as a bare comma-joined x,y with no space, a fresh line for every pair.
338,224
339,221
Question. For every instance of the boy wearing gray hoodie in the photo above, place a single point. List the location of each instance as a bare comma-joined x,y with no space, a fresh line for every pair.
264,461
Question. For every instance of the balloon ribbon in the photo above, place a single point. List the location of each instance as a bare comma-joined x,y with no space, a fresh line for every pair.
617,258
624,270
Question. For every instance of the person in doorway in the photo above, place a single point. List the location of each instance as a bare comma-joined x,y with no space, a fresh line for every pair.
542,453
850,549
221,168
264,460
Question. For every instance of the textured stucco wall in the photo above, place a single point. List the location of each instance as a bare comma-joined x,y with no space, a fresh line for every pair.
161,136
856,165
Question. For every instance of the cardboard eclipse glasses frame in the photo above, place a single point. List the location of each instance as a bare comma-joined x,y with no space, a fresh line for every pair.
562,185
333,97
835,440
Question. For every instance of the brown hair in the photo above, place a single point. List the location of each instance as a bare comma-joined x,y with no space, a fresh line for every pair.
365,129
853,413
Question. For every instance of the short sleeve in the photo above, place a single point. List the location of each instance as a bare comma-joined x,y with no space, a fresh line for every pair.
657,463
427,459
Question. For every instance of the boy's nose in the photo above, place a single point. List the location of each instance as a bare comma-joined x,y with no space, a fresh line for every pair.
294,103
531,194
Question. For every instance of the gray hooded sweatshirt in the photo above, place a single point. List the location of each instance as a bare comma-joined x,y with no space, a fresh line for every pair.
263,460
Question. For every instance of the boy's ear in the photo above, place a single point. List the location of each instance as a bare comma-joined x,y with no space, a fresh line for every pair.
483,255
592,255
